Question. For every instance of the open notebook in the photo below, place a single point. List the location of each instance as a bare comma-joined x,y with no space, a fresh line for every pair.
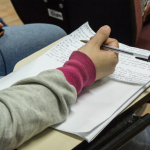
99,103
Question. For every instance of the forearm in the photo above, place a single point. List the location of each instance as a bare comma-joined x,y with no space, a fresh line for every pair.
32,105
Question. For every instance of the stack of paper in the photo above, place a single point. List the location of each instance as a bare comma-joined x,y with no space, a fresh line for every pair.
99,103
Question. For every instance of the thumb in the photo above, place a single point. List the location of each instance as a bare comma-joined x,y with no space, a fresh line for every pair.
101,36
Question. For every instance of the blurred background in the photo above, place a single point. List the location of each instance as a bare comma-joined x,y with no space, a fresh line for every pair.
8,13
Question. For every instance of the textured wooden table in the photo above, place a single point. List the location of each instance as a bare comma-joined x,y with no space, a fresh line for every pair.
8,13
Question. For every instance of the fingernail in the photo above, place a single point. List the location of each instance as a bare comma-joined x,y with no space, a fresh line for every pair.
116,52
106,27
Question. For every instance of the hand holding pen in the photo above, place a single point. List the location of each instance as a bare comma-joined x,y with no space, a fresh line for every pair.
137,55
104,61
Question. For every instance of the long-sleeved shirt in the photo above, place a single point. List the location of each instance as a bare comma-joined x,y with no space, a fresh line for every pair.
33,104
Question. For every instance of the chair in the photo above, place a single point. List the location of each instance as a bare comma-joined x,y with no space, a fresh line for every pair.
124,17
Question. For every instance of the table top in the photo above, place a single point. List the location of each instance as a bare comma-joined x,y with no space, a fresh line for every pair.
50,138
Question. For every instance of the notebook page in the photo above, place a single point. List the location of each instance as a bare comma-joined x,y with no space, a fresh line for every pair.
63,50
130,69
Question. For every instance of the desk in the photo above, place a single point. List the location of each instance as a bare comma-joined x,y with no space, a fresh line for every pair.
51,139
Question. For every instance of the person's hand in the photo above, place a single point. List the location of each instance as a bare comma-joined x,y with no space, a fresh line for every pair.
1,25
104,61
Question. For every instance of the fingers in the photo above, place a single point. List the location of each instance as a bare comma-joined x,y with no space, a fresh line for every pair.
101,36
91,37
1,25
112,42
113,53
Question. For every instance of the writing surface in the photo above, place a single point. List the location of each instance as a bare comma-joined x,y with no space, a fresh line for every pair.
102,101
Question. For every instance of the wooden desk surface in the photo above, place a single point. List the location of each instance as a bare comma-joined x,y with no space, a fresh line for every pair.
51,139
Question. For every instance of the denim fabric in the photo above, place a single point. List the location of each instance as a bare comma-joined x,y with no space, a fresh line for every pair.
140,142
19,42
2,65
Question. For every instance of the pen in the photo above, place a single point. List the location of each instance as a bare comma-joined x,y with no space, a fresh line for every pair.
137,55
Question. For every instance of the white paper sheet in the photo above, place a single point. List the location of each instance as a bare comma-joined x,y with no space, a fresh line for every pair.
130,69
99,103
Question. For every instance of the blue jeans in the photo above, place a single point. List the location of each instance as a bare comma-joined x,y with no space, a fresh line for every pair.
140,142
19,42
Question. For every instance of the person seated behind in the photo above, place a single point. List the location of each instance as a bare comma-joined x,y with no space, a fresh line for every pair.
21,41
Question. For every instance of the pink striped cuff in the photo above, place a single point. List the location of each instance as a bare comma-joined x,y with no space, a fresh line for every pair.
79,70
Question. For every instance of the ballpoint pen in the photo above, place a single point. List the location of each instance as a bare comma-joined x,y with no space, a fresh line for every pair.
137,55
